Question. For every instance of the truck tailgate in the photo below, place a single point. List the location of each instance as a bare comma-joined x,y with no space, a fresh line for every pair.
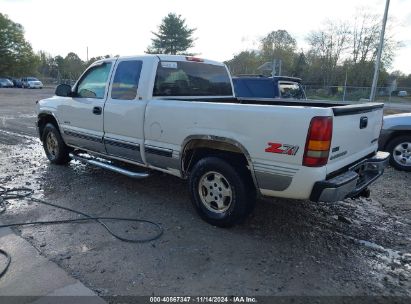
356,129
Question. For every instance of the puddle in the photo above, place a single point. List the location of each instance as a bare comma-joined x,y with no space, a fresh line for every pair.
13,134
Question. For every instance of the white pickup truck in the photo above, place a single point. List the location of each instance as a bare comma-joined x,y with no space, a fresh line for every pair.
179,115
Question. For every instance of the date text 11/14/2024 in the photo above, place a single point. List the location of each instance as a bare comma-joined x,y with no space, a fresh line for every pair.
203,299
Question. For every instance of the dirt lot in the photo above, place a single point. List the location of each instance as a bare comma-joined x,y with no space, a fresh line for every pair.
287,247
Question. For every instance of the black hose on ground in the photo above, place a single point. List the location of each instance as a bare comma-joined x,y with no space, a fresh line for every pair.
26,193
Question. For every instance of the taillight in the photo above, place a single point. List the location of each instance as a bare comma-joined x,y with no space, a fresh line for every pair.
318,143
195,59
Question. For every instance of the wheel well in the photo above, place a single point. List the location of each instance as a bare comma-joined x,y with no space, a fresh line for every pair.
43,120
396,134
197,149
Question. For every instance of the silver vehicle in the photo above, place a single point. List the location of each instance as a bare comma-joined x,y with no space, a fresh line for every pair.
396,138
6,83
31,83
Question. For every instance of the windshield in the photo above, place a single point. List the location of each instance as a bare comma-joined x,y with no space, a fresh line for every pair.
32,79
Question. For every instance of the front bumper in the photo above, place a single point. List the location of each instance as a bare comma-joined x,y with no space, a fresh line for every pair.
352,182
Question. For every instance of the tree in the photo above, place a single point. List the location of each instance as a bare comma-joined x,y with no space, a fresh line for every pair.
245,62
16,54
47,65
403,80
73,66
365,32
173,37
279,45
327,48
300,65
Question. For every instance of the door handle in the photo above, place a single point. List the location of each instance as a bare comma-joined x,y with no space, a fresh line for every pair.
97,110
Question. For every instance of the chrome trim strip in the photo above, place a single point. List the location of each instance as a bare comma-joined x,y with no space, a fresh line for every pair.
258,168
83,136
271,166
158,151
273,173
121,144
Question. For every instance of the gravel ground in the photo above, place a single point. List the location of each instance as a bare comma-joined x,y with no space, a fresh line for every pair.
287,247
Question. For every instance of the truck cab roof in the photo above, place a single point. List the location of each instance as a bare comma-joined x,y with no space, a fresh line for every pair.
163,57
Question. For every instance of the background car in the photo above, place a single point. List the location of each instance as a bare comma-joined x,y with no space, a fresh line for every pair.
6,83
31,83
16,82
396,138
402,94
251,86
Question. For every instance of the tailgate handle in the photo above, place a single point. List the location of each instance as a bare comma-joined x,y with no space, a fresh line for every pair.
363,122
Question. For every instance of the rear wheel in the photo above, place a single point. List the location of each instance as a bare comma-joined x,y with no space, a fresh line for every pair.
400,150
56,150
221,195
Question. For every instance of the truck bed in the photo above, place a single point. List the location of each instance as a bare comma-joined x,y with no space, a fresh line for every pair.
339,108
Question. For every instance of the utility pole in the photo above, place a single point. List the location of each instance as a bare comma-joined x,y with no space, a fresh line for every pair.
377,61
345,83
273,69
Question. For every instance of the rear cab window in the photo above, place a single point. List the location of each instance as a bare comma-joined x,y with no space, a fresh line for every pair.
181,78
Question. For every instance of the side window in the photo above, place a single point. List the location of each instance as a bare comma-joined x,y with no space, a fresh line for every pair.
93,84
126,79
290,90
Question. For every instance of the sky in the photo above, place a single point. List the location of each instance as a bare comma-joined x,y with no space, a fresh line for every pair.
224,27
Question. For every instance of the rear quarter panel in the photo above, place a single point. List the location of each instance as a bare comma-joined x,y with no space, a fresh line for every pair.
169,122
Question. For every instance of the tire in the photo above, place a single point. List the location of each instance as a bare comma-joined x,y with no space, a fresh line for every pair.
233,198
56,150
400,150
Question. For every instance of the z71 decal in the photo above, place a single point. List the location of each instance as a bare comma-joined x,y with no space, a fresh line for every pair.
281,148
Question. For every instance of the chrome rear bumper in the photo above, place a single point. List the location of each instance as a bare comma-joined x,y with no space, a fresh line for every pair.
352,182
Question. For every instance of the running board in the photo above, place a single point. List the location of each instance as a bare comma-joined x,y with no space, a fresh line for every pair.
136,175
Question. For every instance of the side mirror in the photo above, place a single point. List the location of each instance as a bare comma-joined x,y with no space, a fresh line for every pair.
63,90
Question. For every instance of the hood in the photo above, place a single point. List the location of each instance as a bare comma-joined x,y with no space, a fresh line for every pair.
397,115
397,121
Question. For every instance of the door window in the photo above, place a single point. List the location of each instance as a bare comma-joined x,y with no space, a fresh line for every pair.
126,79
93,83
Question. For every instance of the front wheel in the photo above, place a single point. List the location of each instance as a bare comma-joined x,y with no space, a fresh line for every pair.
400,150
222,195
56,150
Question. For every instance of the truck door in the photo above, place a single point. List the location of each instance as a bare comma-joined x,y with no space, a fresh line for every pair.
124,111
81,116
